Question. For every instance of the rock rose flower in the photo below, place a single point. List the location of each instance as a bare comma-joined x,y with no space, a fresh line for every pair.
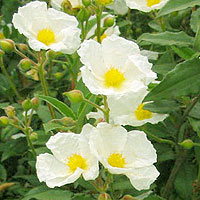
128,109
71,158
47,28
114,67
128,153
145,5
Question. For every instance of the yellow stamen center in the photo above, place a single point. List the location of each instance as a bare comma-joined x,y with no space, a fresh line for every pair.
103,2
142,114
152,2
46,36
103,36
75,161
113,78
116,160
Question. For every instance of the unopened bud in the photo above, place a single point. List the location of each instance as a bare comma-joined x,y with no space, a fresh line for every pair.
58,75
7,45
33,136
3,121
75,96
104,196
188,144
10,111
35,103
26,104
83,15
108,22
25,64
67,121
128,197
86,2
22,47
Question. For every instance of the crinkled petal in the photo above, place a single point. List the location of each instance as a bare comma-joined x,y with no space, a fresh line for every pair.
142,178
138,150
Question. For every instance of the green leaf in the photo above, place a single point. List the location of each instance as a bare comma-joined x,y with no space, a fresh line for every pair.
52,126
3,173
183,52
176,5
154,197
60,106
163,106
183,80
184,180
195,112
167,38
48,194
194,21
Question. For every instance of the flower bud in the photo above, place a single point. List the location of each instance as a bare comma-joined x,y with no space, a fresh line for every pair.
25,64
33,136
26,104
128,197
75,96
104,196
7,45
83,15
188,144
86,2
58,75
22,47
108,22
10,111
3,121
67,121
35,103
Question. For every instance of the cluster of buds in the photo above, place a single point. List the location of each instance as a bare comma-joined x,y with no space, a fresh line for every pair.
28,104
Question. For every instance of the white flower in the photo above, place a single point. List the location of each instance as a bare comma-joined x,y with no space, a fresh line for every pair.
128,153
71,158
47,28
108,32
119,7
128,109
145,5
114,67
57,4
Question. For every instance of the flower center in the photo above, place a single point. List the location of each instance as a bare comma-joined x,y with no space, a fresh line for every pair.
75,161
103,36
116,160
46,36
152,2
103,2
113,78
142,114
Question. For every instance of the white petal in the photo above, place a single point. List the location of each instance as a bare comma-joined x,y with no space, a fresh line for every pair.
120,49
119,7
142,178
64,145
138,150
48,167
91,56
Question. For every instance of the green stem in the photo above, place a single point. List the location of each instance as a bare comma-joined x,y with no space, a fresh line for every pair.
30,144
44,86
178,163
159,140
98,17
106,109
93,104
12,85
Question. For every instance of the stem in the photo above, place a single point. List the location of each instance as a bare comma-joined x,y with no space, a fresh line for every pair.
27,133
106,109
12,85
159,140
24,56
98,17
178,163
44,86
93,104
